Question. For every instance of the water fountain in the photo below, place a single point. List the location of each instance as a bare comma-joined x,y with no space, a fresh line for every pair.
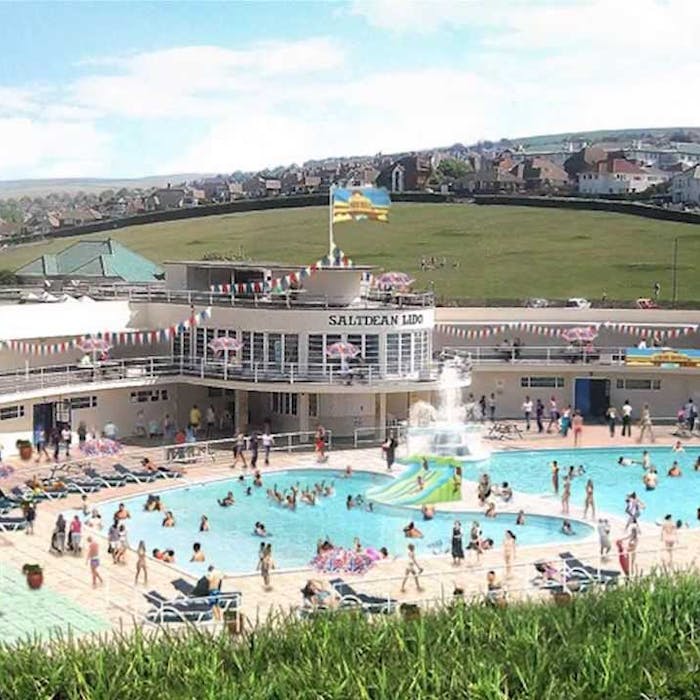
445,431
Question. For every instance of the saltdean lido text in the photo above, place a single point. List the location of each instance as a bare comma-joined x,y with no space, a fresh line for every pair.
366,320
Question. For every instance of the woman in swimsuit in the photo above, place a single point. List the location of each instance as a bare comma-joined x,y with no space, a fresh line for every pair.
577,423
93,559
509,551
669,536
589,502
457,547
141,563
565,496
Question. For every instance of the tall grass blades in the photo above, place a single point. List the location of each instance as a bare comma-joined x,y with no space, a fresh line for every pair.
641,641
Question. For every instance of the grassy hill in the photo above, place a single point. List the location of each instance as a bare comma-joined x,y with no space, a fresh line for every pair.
491,252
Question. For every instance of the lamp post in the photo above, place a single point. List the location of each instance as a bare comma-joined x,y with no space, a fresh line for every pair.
674,283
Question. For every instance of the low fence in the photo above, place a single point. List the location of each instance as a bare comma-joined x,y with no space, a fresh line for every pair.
615,206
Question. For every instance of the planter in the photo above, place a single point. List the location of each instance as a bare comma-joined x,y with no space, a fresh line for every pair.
35,576
409,612
25,450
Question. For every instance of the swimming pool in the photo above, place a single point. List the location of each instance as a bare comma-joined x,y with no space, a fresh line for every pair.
529,472
232,546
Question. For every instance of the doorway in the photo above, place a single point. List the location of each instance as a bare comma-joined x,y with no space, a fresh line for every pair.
48,415
592,397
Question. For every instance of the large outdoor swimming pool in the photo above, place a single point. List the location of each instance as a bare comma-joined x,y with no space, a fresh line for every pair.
529,472
232,546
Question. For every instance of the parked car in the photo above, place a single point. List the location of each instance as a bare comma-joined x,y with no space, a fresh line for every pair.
577,303
536,303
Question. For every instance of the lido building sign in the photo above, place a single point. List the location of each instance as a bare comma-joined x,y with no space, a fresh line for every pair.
395,320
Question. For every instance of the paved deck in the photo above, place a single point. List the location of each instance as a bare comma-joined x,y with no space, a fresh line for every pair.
119,601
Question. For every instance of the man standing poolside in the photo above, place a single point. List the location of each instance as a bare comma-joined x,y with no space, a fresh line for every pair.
413,568
527,410
195,418
93,559
626,419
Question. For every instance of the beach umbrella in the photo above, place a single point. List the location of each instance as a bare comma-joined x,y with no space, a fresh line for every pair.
225,344
393,280
582,334
342,350
100,446
6,470
94,345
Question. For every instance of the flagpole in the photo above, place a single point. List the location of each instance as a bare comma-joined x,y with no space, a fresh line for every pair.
331,242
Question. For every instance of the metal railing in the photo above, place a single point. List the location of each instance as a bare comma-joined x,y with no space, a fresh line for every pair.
538,354
143,368
292,299
375,435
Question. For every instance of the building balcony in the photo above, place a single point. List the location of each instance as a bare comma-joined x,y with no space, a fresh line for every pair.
259,376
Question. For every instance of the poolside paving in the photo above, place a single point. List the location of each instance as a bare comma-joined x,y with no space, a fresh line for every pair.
119,603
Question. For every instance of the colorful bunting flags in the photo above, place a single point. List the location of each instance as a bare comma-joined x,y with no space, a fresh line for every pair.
112,337
281,284
644,331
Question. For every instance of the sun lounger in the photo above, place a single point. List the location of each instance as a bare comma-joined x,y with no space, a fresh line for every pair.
83,486
225,600
178,610
137,477
503,431
602,575
369,603
28,494
12,524
107,480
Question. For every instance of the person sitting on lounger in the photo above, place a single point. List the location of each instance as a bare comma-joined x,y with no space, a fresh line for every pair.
412,531
227,501
315,594
148,466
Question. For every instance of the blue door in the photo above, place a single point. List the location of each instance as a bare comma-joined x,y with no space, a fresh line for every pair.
582,396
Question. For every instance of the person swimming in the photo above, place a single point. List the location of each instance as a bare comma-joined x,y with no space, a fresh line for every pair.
349,502
427,511
169,519
625,462
412,531
520,520
675,470
260,530
228,501
566,528
650,479
204,524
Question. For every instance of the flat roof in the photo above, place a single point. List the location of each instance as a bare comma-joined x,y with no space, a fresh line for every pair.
257,265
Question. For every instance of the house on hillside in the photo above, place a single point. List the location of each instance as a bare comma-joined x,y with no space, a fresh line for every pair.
541,175
165,198
408,174
100,262
685,186
78,217
618,176
585,160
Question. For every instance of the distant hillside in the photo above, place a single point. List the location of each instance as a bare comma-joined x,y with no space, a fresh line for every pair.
38,188
545,140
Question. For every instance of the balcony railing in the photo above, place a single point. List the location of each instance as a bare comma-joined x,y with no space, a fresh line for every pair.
143,368
294,299
537,354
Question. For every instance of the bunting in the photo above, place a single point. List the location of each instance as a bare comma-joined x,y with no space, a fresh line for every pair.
641,330
281,284
112,337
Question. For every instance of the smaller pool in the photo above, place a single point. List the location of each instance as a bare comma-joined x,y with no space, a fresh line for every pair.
232,546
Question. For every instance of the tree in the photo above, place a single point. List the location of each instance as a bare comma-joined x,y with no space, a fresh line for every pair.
452,168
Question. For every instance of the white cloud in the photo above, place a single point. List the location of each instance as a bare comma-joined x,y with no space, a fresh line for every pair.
51,148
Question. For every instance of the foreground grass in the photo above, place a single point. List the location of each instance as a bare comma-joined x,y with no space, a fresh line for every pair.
642,641
503,252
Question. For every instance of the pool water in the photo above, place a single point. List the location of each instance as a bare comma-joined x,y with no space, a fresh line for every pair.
231,545
530,472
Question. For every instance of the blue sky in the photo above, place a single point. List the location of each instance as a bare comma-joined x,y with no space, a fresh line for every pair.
130,89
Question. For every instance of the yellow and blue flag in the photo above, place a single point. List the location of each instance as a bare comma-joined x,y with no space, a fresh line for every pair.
358,203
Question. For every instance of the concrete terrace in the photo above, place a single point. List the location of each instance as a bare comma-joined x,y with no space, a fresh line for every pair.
120,603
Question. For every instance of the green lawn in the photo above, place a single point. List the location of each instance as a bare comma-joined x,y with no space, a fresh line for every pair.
502,252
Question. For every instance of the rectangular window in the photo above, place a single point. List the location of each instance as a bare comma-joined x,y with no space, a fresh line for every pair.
392,353
283,403
542,382
83,402
316,354
146,395
11,412
313,405
291,349
639,384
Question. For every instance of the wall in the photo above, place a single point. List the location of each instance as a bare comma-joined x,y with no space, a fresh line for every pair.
621,207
